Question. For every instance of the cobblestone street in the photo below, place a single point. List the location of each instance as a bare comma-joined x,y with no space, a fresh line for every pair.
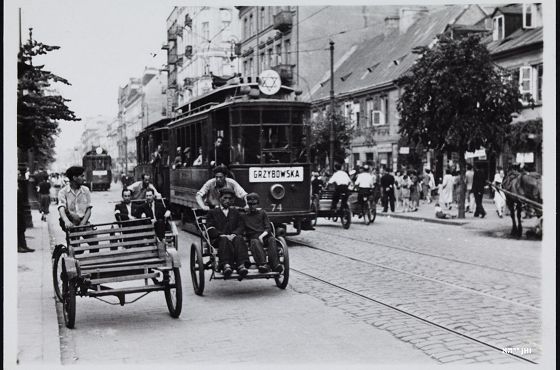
397,291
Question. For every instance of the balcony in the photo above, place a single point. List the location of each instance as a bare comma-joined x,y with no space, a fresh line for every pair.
283,21
172,32
286,72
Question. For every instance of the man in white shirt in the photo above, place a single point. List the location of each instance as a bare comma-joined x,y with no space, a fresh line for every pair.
364,182
342,181
209,194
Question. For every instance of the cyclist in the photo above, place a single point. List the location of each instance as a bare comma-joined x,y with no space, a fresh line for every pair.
342,181
364,182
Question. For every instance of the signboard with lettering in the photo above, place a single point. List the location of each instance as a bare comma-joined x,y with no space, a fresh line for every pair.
524,158
99,172
384,147
276,174
404,150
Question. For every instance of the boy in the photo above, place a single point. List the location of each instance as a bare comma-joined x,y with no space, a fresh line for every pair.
259,233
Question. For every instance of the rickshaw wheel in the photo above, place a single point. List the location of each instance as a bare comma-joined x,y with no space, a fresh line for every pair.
315,210
283,277
346,218
197,269
69,303
60,251
174,296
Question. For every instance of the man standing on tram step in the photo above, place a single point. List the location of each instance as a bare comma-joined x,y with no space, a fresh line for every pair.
225,229
219,154
342,181
387,186
209,194
259,233
74,202
139,189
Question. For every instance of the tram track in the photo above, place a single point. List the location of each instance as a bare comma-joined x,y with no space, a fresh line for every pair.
470,290
404,249
416,317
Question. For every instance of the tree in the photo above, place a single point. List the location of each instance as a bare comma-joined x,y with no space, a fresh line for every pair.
38,110
456,99
320,137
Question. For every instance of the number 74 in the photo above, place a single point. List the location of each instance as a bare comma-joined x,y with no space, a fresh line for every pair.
277,207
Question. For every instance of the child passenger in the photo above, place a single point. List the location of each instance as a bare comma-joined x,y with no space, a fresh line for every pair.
259,233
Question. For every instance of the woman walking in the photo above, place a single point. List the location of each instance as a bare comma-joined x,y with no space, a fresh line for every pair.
446,193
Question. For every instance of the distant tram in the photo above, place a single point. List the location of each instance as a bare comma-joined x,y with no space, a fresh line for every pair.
97,164
265,148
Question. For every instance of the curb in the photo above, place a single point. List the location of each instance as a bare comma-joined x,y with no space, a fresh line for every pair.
424,219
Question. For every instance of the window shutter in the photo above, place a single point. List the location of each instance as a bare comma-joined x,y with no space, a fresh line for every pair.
525,82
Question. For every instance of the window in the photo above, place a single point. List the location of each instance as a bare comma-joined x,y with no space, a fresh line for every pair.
206,31
369,112
245,70
263,61
251,67
270,58
356,114
245,28
498,28
278,54
251,25
529,13
377,111
262,19
385,105
538,98
287,50
525,82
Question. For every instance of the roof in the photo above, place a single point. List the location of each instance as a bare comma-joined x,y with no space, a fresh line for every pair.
519,39
388,57
509,9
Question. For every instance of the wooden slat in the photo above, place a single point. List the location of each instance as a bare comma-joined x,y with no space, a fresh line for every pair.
116,237
108,231
110,268
116,279
121,252
118,244
127,264
140,289
136,256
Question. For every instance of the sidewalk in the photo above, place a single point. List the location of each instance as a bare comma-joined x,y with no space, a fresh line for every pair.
38,336
426,213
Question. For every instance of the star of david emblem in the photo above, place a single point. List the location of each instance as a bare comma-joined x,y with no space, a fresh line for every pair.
269,82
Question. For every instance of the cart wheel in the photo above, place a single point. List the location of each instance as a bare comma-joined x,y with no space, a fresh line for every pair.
282,279
197,269
69,303
315,210
173,295
346,218
59,252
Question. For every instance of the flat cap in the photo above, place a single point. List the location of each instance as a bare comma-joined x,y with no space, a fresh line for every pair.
253,196
226,190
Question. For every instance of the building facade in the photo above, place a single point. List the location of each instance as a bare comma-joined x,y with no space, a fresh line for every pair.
365,87
200,51
516,44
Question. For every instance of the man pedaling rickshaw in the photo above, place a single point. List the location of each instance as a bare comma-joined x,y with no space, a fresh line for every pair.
209,194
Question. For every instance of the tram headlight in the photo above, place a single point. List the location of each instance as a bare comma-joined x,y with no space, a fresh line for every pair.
277,191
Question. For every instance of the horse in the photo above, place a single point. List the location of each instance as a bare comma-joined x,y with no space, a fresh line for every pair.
524,184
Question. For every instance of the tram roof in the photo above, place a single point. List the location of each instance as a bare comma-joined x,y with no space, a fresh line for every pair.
220,95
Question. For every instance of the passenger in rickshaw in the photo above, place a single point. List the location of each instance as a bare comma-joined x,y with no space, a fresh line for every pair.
209,194
225,230
259,233
123,210
155,210
342,181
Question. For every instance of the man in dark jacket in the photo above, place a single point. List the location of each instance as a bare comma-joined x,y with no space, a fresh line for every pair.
225,229
123,210
156,211
388,188
478,191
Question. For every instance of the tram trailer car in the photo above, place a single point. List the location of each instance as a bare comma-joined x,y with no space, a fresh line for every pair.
264,137
97,165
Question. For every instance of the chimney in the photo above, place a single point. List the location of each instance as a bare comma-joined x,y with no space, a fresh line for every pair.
410,15
391,24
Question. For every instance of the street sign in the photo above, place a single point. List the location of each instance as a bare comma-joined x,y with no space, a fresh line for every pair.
269,82
404,150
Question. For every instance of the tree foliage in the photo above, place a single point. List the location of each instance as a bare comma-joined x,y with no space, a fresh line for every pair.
320,137
38,110
525,136
456,98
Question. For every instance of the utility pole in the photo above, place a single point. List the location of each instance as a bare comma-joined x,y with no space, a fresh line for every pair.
331,123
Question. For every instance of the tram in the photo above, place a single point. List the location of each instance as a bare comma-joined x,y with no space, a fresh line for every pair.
266,146
97,165
147,143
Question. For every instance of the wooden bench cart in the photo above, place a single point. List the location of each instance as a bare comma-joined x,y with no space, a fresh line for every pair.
204,256
116,259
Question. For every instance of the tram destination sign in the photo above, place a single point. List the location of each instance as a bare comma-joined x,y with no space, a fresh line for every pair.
276,174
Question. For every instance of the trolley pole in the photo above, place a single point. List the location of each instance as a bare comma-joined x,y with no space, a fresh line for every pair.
331,123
